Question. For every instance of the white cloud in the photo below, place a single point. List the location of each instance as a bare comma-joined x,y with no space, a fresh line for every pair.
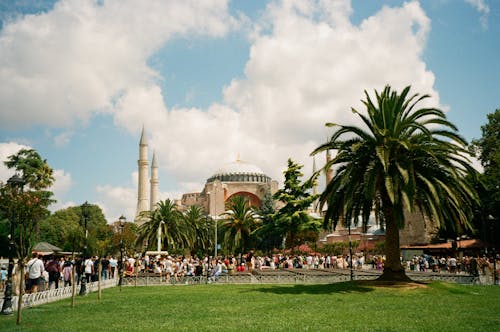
63,138
62,183
117,201
81,56
6,150
303,71
482,9
308,64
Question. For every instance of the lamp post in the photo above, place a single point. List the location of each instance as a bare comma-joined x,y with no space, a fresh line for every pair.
16,183
85,215
122,220
208,246
493,251
215,216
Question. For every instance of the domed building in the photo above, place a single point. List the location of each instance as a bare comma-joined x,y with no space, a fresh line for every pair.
238,178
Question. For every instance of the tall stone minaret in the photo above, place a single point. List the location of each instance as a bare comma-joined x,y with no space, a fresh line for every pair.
154,183
329,172
142,187
315,187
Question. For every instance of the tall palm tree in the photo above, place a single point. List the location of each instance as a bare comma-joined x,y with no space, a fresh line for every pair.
238,222
168,219
197,220
404,158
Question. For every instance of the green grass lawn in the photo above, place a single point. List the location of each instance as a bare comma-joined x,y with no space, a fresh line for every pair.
334,307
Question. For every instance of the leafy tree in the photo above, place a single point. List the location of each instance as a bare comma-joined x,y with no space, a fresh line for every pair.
168,219
25,208
268,235
488,150
62,229
128,235
293,218
65,229
238,222
403,158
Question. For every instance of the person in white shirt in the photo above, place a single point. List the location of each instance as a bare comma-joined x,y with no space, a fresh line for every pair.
89,269
34,269
113,263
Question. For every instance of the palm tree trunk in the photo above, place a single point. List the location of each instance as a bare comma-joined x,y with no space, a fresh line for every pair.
393,270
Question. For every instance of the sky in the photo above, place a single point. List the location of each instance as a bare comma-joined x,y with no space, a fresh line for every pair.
211,80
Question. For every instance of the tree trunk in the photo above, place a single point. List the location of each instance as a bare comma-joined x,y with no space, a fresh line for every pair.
21,292
393,270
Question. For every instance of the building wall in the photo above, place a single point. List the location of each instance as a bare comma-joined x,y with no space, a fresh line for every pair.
417,230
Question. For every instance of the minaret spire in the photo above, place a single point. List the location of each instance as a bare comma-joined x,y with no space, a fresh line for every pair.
315,187
154,182
142,185
329,171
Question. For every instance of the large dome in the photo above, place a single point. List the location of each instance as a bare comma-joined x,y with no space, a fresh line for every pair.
239,171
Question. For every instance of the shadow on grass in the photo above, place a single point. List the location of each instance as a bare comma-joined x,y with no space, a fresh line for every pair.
340,287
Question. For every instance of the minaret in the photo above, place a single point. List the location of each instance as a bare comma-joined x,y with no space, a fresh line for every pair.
142,187
154,183
315,187
329,171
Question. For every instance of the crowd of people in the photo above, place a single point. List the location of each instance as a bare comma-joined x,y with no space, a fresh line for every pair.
48,272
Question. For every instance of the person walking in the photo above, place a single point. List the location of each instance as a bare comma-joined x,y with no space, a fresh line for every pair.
35,268
67,273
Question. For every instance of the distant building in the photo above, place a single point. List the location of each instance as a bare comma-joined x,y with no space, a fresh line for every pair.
237,178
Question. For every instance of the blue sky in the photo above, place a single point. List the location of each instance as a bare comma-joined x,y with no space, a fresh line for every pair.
211,80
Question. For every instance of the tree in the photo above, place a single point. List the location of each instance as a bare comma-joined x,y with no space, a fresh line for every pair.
128,235
403,158
293,218
64,228
268,235
168,219
488,151
25,208
198,221
238,222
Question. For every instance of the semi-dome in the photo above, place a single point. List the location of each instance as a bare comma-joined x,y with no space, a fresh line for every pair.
239,171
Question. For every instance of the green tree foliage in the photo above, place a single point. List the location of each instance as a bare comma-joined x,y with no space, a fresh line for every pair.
402,158
65,229
238,223
268,235
198,221
126,235
176,234
25,206
36,172
293,218
488,151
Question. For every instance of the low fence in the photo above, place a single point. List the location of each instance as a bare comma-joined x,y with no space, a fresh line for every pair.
31,300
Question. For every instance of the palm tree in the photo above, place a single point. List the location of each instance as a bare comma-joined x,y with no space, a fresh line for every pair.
166,218
197,220
405,158
238,222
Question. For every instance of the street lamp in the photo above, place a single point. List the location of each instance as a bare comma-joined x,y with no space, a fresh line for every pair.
122,221
16,183
208,246
215,217
492,232
85,215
